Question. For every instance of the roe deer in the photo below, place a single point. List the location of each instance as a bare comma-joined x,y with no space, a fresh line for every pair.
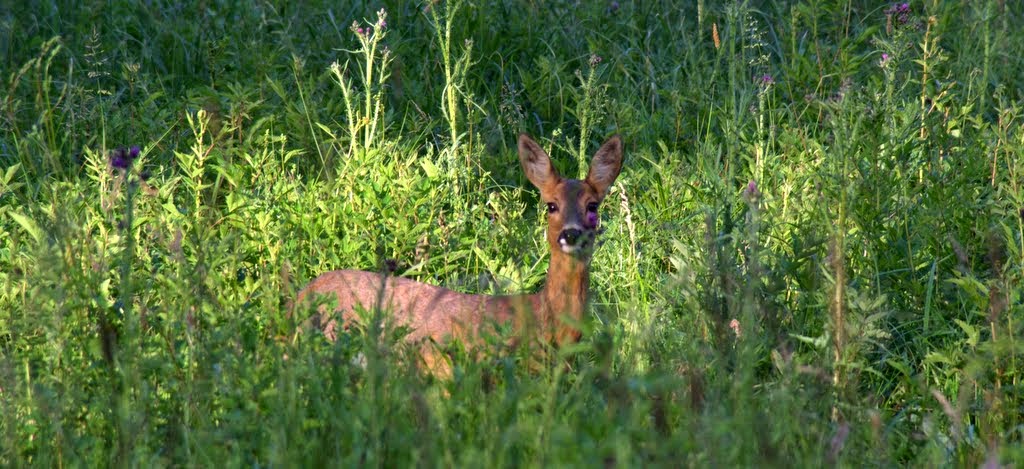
438,314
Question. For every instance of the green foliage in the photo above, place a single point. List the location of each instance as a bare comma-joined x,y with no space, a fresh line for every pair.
814,255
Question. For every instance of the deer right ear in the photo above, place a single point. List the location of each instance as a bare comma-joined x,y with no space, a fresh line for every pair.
606,165
536,163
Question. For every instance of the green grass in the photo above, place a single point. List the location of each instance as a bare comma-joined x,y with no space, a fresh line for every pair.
841,179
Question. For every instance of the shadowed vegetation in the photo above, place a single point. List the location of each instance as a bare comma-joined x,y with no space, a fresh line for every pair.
813,255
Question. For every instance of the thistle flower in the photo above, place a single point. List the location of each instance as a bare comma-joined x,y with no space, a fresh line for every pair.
122,158
899,11
751,192
118,159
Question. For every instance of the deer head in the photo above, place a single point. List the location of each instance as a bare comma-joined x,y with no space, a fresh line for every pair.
572,204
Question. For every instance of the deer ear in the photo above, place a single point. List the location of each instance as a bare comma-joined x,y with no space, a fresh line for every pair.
536,163
605,165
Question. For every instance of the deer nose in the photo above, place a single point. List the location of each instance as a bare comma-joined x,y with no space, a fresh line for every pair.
570,237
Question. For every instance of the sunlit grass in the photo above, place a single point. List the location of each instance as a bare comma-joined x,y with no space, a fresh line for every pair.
813,255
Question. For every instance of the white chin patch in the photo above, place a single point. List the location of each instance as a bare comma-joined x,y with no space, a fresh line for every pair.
569,248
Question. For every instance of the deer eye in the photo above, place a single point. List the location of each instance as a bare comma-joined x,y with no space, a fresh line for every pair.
592,207
552,207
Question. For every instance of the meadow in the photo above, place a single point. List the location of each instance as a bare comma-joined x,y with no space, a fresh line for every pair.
813,256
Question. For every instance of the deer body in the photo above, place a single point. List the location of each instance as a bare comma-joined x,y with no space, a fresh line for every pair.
439,314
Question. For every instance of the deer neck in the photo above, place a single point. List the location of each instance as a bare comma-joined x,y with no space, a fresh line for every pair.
564,295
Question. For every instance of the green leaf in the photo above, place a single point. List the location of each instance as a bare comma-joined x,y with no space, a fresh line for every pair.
29,225
817,342
939,357
430,168
899,366
973,334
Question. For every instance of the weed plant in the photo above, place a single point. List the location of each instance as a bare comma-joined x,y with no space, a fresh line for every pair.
814,255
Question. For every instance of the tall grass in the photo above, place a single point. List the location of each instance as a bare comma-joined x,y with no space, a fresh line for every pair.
813,257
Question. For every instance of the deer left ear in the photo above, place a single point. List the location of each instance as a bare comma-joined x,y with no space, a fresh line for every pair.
606,165
537,164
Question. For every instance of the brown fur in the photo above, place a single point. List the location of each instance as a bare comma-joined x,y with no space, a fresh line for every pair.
438,314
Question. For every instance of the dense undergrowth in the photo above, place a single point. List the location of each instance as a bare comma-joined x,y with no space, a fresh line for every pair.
813,256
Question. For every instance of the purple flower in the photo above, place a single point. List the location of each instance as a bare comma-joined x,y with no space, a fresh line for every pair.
899,11
595,60
613,7
750,193
884,60
765,80
119,160
122,158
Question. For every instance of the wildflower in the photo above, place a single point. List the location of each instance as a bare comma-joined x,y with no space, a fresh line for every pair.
899,11
122,158
735,326
884,61
118,159
613,7
595,60
766,80
750,193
